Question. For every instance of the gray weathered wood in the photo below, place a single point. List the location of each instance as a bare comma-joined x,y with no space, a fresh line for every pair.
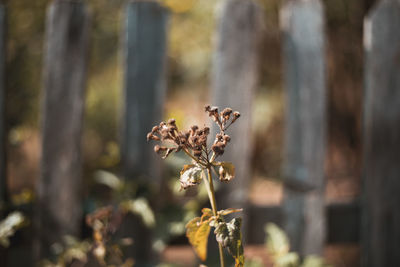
302,25
144,94
381,174
145,86
234,80
3,164
59,191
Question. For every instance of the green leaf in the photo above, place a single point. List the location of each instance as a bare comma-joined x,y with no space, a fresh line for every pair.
290,259
141,208
9,225
277,241
226,171
190,176
230,237
108,179
198,233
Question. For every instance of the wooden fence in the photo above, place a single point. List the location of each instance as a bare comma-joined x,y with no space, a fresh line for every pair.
310,223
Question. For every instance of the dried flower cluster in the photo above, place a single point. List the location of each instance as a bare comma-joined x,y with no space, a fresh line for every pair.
194,141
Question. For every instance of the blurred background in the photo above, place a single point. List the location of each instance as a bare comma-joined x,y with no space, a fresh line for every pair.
190,45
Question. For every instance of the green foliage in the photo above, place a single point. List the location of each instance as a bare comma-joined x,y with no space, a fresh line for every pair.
9,225
140,207
278,247
71,250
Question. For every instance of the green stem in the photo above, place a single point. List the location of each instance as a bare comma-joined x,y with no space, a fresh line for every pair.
211,196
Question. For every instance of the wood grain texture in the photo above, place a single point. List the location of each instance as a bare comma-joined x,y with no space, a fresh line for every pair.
144,95
302,25
145,87
3,164
59,204
381,173
234,81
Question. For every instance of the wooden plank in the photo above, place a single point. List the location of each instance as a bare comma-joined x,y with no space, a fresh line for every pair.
3,164
144,94
59,207
343,222
302,25
381,173
3,131
234,81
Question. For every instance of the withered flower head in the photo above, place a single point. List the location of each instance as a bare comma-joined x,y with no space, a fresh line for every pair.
193,142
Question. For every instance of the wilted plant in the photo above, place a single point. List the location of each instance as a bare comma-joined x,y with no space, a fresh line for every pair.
193,143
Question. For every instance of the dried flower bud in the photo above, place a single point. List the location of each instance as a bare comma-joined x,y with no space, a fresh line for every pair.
197,153
214,110
226,114
227,138
186,134
155,129
236,116
182,139
157,149
207,108
206,130
194,140
171,122
151,136
217,149
193,129
203,140
165,134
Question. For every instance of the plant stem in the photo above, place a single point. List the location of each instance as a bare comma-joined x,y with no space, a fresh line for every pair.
211,196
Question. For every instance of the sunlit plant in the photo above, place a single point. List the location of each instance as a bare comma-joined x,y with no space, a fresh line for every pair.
193,143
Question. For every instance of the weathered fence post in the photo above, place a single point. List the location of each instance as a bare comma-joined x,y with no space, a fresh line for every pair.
3,164
144,93
381,181
59,204
302,25
234,80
